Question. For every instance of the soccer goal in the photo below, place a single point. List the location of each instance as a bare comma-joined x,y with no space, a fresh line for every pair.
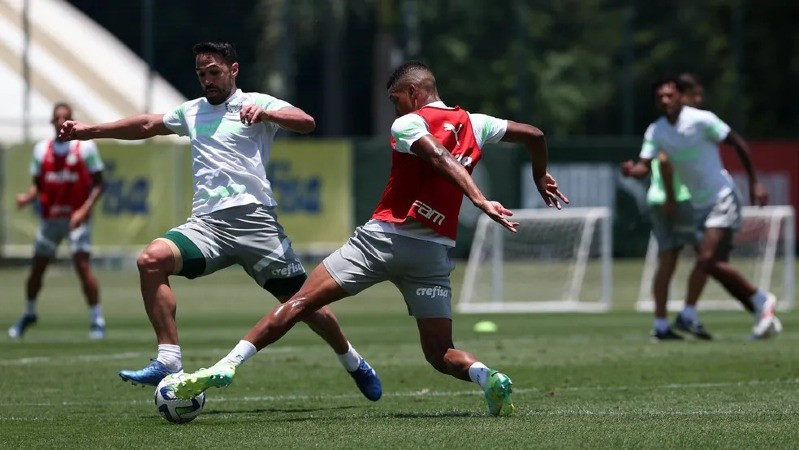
558,261
763,251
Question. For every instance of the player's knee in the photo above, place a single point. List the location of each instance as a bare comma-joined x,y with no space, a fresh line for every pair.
708,263
152,259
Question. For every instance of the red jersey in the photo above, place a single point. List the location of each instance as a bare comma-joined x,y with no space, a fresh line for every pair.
64,181
415,190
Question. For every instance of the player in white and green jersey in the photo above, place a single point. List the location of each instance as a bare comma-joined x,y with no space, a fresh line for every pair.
690,137
233,219
671,216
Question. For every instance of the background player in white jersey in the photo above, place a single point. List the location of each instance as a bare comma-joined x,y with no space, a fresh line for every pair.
68,181
435,148
233,219
671,215
690,137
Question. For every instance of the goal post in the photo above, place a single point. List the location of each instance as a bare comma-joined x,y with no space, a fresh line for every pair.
558,261
763,250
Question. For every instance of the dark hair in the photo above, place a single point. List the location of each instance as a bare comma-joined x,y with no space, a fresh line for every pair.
668,79
62,105
403,70
689,80
223,49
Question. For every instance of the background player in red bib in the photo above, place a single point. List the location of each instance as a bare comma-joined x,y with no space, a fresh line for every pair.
67,180
434,150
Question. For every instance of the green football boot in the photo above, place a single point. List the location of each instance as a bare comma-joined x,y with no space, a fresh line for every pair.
193,384
497,391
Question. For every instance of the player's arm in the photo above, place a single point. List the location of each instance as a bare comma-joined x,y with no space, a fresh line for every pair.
667,175
431,150
536,144
80,215
757,192
141,126
290,118
639,169
27,197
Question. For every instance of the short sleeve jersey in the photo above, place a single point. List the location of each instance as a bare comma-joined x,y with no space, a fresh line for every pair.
229,158
692,146
88,151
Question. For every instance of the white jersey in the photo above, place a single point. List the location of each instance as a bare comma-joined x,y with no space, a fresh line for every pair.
229,158
88,151
692,146
410,128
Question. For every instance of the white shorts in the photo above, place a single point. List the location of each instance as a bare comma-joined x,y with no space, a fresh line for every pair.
725,213
52,231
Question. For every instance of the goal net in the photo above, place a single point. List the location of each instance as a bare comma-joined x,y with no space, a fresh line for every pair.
763,251
558,261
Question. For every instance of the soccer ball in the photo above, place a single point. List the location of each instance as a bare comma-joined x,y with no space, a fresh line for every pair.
173,409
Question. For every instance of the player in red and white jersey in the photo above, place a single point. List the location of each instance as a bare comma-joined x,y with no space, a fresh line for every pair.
67,181
434,149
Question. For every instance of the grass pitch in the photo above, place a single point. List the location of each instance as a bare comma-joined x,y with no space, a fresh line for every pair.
590,381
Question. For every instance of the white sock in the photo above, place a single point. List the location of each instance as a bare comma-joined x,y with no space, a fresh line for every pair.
243,351
350,360
169,356
689,312
478,373
96,315
758,299
30,308
661,324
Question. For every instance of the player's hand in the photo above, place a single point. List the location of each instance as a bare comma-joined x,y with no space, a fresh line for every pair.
498,213
758,195
670,209
627,168
72,129
548,188
251,114
23,200
78,218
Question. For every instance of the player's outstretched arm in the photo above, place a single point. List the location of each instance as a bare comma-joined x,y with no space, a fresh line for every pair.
431,150
290,118
142,126
536,144
758,195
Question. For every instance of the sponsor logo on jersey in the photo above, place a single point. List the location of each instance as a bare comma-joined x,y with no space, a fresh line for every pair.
432,292
292,269
62,176
450,127
429,213
233,107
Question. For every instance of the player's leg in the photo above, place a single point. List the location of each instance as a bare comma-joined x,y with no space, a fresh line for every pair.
267,255
48,236
435,335
318,291
80,246
338,276
667,263
189,250
421,271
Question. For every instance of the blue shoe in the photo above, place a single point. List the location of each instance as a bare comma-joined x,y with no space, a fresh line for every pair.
151,375
16,330
367,381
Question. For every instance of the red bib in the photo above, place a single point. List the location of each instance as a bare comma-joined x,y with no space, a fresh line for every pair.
64,182
415,190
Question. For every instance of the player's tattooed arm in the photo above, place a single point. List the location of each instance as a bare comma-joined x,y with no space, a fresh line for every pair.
141,126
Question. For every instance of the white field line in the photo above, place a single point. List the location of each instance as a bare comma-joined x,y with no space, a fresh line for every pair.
429,393
44,360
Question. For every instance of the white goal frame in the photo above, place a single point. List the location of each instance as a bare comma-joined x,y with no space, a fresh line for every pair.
762,279
488,229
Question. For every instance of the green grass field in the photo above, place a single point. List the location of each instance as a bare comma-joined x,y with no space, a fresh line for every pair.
590,381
